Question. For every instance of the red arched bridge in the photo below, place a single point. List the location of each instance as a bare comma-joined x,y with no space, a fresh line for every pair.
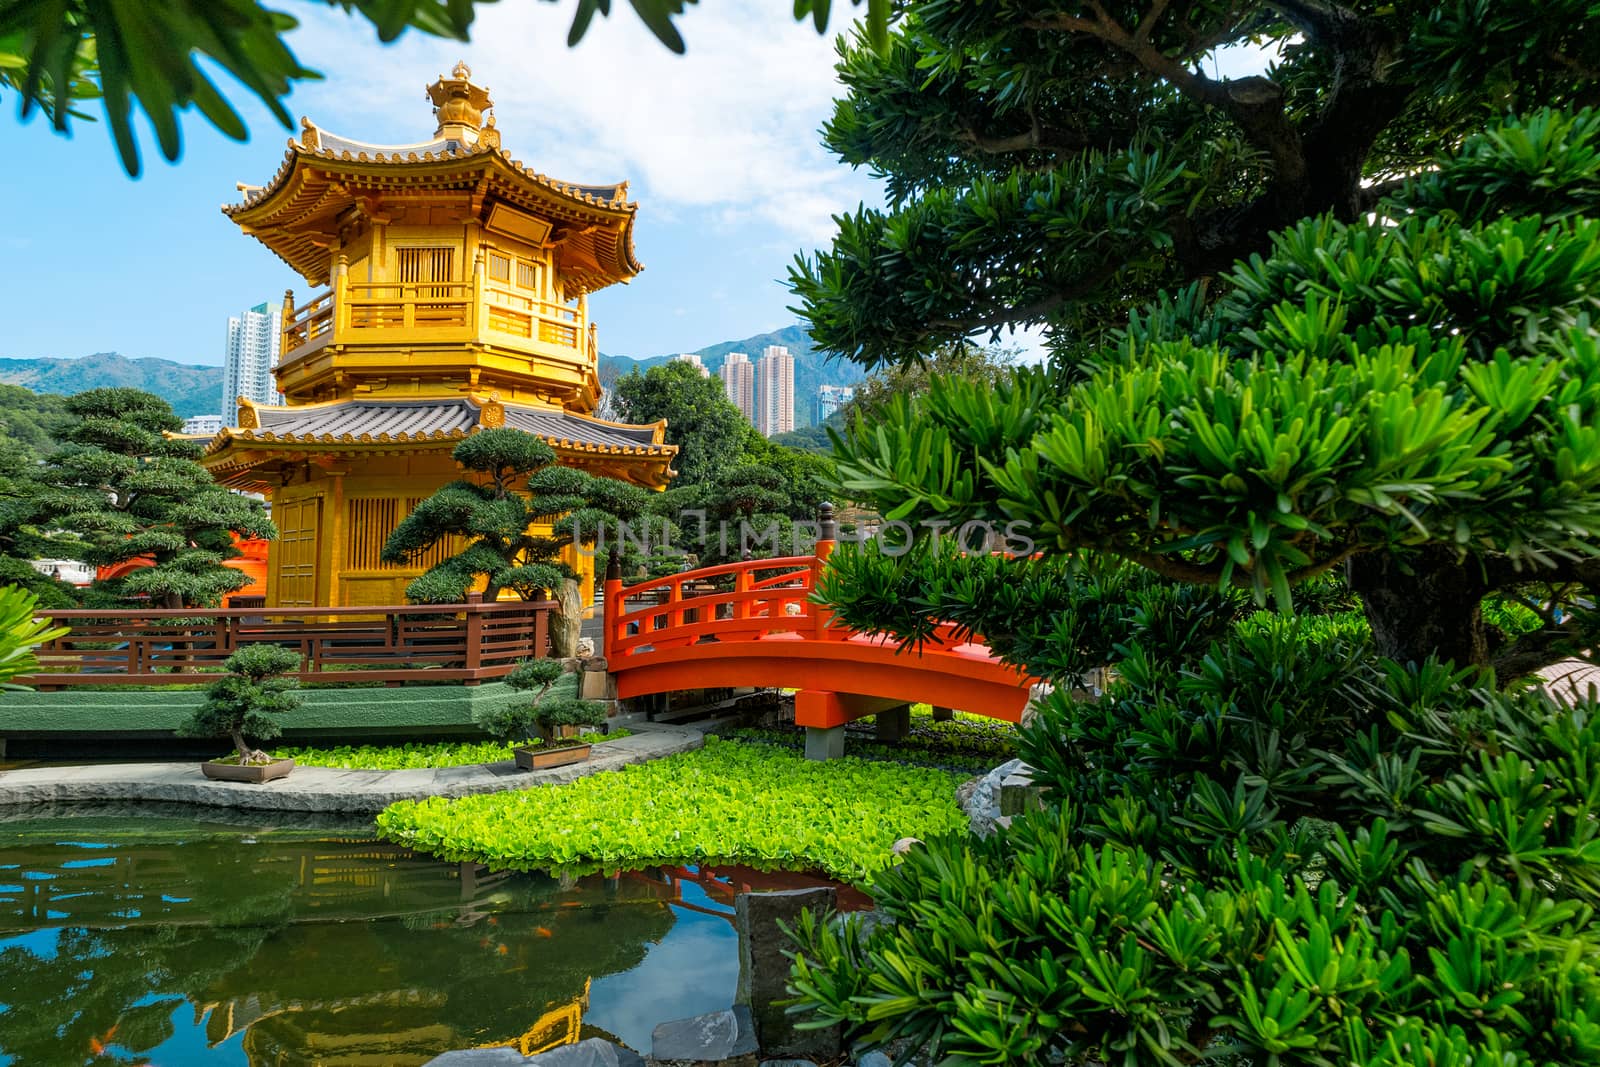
753,623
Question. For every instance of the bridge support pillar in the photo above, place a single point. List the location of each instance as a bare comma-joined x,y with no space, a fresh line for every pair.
824,742
894,724
943,714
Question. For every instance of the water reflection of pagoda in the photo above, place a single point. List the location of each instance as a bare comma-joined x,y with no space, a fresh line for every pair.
457,299
343,953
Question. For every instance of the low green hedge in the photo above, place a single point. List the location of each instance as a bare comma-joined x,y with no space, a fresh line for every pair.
726,802
415,756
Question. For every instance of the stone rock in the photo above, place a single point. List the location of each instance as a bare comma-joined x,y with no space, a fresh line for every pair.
593,1052
787,1063
715,1039
1019,793
983,802
874,1059
596,685
585,647
902,846
479,1057
764,969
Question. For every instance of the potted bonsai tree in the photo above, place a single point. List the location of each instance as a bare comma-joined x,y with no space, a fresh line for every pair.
558,720
241,704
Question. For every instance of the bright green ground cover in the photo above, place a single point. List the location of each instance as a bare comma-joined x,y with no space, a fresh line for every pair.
969,744
415,756
729,802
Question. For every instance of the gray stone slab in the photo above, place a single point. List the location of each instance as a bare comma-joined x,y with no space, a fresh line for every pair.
726,1038
592,1052
788,1063
479,1057
764,969
874,1059
316,789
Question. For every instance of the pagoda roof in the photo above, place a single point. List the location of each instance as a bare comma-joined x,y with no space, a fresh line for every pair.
364,426
323,174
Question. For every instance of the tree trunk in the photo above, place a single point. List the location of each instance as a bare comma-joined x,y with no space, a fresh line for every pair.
567,620
1423,603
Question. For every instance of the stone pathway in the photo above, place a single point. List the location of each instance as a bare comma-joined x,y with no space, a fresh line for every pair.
325,788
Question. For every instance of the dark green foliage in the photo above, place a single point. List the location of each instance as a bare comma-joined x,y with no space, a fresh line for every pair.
118,489
1416,400
242,703
520,485
517,722
705,425
1287,849
1059,165
1278,837
29,421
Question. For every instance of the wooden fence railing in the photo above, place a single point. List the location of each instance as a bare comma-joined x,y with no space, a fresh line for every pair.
467,643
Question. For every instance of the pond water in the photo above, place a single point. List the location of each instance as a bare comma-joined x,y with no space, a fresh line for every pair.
134,939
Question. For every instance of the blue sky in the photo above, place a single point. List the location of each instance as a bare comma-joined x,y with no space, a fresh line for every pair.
720,148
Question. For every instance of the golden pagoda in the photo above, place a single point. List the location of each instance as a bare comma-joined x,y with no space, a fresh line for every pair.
456,299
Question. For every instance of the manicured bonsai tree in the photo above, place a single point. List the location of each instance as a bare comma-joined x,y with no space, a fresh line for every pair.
519,722
241,703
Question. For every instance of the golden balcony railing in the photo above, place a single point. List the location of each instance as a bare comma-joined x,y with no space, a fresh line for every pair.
359,311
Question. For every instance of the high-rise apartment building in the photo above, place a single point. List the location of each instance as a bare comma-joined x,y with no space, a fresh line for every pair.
253,340
739,379
775,391
210,425
830,398
694,361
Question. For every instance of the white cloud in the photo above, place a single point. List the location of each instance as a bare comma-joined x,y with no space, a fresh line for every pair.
730,129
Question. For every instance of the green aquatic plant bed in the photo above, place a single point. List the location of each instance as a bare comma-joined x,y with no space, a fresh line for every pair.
727,802
417,756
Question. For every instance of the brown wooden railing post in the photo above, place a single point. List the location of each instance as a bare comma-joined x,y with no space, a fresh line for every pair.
474,620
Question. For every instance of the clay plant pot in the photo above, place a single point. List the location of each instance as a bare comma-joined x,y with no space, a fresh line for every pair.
537,757
255,774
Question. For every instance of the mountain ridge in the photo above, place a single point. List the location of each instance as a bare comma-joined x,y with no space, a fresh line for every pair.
196,389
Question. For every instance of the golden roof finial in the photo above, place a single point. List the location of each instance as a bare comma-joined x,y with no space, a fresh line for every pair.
459,103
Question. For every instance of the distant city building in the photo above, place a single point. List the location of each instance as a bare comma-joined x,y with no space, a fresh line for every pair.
71,571
739,379
693,361
253,340
206,424
775,391
830,398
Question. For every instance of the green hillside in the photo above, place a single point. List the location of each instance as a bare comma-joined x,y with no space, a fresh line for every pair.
190,389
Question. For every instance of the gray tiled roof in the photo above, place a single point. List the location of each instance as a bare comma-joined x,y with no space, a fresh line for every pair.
432,419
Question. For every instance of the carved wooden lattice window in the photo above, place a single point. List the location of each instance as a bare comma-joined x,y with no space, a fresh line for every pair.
418,266
528,275
372,520
499,267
